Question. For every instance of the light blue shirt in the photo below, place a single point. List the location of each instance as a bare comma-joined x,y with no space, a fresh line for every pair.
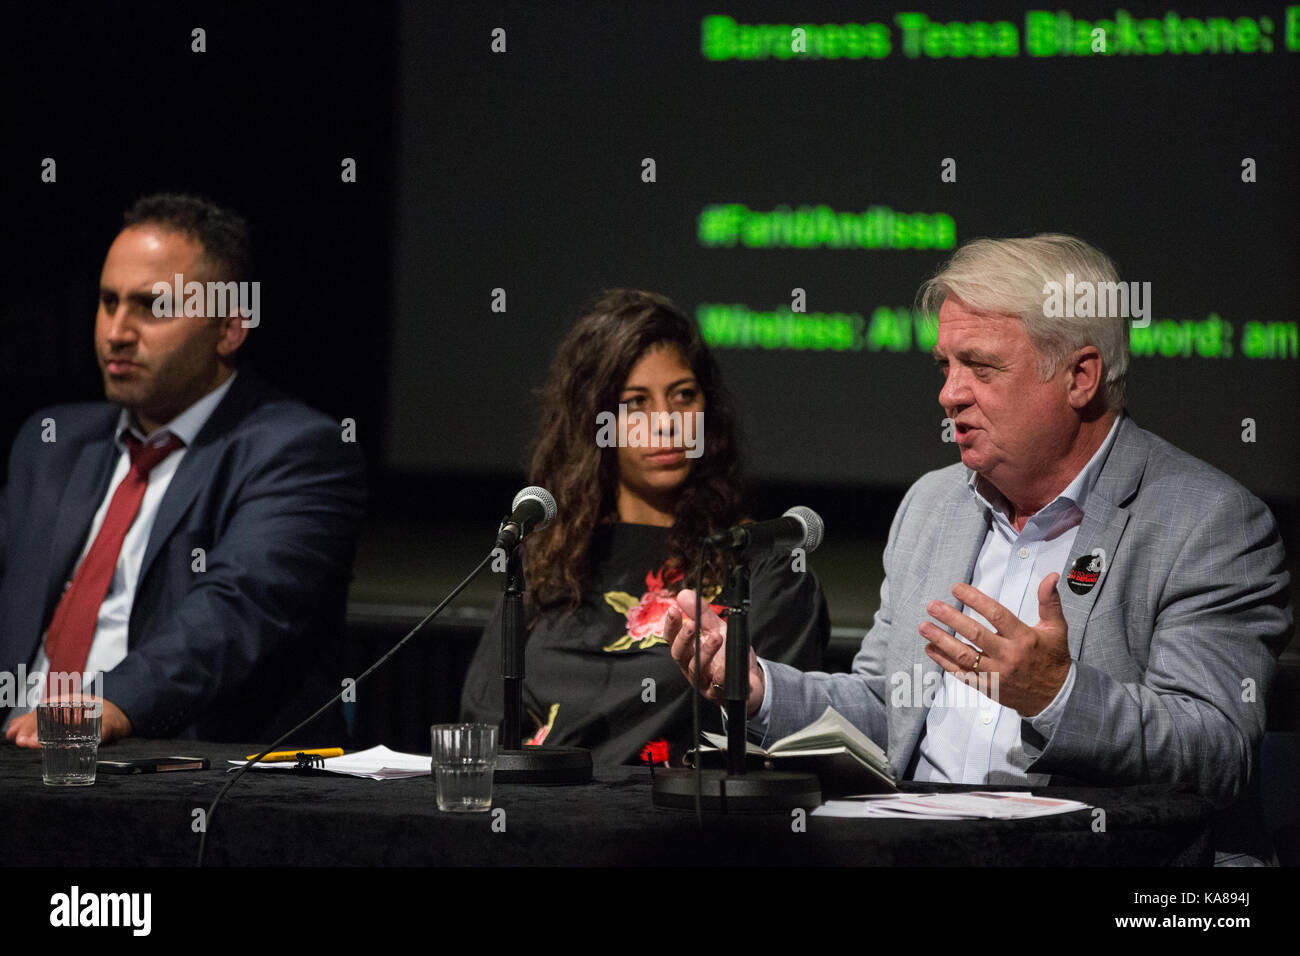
968,737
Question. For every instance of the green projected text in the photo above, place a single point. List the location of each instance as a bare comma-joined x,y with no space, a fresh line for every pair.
736,326
1212,337
1044,33
821,227
740,327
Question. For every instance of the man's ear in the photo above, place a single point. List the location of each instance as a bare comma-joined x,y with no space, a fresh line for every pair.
1085,376
232,334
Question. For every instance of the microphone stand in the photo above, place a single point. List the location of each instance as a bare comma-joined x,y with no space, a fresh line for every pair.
735,790
553,766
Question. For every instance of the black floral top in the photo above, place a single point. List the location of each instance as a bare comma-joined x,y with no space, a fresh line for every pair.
601,676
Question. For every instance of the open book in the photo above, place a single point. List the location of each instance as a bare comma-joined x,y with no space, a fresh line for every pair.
844,758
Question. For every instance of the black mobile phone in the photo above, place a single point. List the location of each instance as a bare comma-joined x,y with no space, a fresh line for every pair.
152,765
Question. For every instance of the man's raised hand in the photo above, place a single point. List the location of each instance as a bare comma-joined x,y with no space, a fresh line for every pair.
680,632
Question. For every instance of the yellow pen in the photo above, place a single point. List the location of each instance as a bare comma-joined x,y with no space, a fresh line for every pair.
280,756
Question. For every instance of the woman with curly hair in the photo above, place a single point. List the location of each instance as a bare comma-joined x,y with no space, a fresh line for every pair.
638,443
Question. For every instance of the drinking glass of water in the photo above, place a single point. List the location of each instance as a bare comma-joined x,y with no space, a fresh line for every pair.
464,756
69,734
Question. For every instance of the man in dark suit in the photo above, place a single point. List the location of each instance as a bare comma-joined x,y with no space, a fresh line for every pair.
191,540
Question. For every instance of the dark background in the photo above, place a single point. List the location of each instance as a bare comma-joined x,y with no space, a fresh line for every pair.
523,171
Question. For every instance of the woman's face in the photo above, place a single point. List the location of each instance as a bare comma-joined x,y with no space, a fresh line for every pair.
663,435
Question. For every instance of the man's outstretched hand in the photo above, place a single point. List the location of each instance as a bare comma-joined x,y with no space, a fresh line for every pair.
1030,664
680,632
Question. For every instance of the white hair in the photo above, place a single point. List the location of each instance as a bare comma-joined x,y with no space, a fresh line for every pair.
1008,276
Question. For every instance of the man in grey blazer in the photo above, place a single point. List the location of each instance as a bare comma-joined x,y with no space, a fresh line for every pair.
1157,584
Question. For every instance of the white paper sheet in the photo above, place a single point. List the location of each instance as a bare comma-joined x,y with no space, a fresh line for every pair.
976,805
377,763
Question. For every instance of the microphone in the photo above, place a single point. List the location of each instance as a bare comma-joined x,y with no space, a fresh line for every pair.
799,527
532,506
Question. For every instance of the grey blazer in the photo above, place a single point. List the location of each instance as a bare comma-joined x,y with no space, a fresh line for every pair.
1174,648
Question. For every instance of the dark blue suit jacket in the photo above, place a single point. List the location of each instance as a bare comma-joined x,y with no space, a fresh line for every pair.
240,649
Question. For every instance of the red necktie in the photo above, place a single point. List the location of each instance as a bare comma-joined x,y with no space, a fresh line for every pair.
67,642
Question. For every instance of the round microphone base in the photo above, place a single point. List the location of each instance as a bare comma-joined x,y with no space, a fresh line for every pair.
543,766
762,791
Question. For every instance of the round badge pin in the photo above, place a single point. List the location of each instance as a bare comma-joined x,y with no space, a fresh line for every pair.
1085,573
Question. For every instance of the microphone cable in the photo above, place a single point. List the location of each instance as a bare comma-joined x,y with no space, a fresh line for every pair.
212,808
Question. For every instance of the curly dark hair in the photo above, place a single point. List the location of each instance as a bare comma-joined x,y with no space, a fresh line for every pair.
221,232
586,377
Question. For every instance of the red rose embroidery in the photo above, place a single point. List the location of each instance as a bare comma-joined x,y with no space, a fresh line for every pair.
645,618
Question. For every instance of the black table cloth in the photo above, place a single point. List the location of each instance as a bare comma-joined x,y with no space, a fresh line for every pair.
278,818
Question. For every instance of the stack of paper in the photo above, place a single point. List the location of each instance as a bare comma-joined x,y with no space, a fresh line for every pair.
377,763
976,805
